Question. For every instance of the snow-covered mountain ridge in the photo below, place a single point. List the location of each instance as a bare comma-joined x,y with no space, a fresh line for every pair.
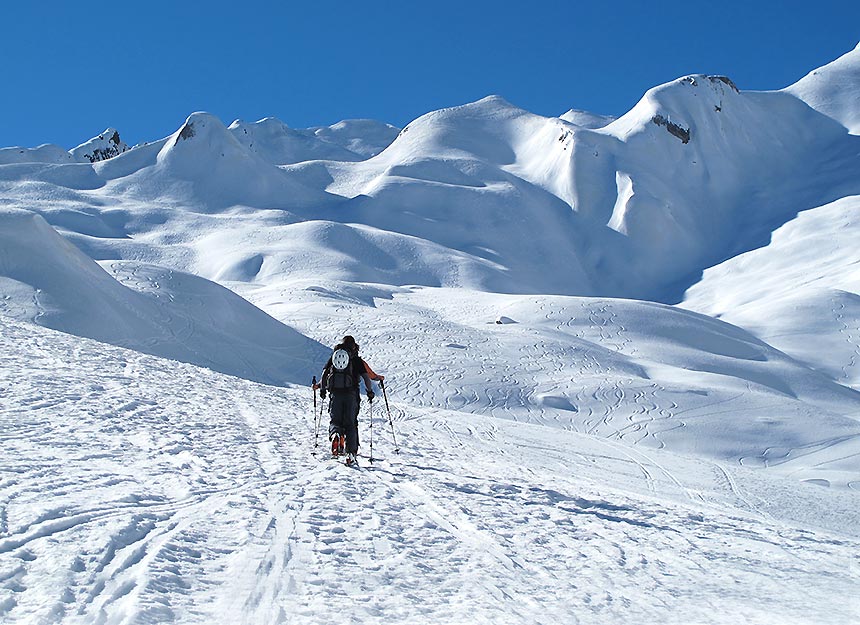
636,208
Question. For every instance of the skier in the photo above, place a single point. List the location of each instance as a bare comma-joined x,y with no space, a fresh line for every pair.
340,377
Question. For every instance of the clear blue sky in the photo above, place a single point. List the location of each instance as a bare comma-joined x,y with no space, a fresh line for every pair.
69,69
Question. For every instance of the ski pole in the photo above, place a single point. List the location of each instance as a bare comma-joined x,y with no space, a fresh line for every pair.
390,422
371,430
316,427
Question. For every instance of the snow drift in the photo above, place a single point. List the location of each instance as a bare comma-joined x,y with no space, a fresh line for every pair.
277,143
800,293
47,280
834,90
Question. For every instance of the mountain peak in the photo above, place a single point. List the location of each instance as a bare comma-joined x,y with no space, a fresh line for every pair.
677,105
100,148
199,123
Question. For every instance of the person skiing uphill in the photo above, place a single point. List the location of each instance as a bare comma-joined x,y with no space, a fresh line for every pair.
351,346
340,377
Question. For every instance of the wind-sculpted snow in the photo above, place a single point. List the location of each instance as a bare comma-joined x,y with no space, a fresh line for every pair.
585,119
834,90
801,293
365,137
695,173
202,165
47,280
47,153
352,140
141,490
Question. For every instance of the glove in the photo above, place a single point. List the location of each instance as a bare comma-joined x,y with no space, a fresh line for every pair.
322,393
370,395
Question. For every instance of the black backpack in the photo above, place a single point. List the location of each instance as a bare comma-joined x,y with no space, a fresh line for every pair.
340,376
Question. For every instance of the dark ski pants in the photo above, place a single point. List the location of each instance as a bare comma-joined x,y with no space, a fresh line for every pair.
342,412
357,410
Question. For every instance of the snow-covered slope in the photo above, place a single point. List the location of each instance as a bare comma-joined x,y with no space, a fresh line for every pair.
452,167
352,140
834,90
141,490
47,153
640,373
365,137
585,119
641,205
617,369
801,293
47,280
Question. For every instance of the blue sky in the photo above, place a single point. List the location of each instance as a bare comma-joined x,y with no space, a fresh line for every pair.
69,69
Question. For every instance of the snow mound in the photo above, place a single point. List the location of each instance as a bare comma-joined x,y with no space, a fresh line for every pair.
482,130
349,140
316,250
277,143
834,90
45,279
101,148
801,293
203,164
585,119
365,137
47,153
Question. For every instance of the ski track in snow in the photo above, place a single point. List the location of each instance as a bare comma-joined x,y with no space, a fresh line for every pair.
851,334
136,489
579,372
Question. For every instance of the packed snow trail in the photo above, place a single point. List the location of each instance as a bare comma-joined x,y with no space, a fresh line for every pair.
136,489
